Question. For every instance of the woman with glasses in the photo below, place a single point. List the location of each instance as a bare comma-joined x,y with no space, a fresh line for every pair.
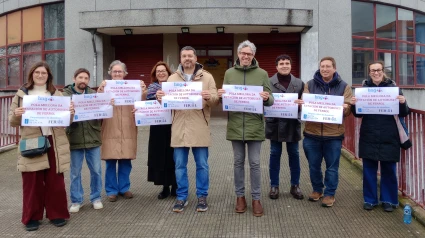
119,141
160,155
380,144
42,176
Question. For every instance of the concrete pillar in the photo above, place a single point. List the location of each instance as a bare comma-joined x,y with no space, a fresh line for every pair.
171,51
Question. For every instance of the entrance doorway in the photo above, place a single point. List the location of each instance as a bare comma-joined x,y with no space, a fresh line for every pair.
216,61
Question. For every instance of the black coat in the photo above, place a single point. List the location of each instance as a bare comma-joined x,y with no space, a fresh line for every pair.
284,129
379,138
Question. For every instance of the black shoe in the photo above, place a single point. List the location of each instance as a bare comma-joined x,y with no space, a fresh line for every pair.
32,225
58,222
387,207
174,190
274,193
165,193
367,206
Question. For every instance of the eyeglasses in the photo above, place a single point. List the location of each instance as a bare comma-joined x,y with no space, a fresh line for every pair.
372,71
161,71
42,73
117,72
246,54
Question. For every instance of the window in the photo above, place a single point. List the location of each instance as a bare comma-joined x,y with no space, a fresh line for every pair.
363,26
361,59
393,35
420,69
22,43
385,22
405,25
54,21
57,65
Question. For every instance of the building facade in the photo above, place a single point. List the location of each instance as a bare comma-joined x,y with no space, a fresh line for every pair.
92,33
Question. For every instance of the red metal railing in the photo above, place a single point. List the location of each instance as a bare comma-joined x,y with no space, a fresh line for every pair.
411,169
8,134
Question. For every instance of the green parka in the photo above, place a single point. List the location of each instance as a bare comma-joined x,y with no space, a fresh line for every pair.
83,134
246,126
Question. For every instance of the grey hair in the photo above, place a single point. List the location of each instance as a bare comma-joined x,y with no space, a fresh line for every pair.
188,48
117,62
249,44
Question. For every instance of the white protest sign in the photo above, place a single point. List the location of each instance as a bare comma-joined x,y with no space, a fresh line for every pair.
243,98
92,106
377,100
124,92
182,95
283,106
46,111
151,113
322,108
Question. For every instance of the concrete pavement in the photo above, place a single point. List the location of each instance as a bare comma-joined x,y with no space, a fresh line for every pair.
146,216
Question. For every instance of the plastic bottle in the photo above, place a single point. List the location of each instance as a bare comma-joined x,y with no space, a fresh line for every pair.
407,217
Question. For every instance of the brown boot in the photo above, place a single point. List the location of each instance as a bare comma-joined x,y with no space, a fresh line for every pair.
296,192
240,205
257,209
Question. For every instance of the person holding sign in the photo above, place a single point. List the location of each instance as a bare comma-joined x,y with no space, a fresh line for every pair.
379,143
161,168
324,140
245,128
190,129
42,176
287,130
119,141
85,141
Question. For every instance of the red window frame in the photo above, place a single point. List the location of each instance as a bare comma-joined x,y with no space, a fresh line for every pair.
21,55
397,52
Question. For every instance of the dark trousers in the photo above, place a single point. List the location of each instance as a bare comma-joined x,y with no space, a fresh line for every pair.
44,189
388,186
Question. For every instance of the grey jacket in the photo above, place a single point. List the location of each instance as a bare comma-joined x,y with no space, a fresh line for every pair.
284,129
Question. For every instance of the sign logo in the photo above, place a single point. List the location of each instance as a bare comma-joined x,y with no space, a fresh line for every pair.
40,98
374,90
26,121
90,96
121,82
180,84
318,97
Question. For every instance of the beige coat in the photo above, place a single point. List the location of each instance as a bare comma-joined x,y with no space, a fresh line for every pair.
190,128
119,135
60,142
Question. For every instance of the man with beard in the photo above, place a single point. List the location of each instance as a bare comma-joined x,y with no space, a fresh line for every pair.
85,141
190,129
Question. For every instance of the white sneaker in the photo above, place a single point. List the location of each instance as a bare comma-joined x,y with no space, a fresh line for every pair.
75,207
97,204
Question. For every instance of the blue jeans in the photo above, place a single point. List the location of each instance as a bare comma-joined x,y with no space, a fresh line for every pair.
181,155
293,159
389,185
93,162
120,185
315,150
